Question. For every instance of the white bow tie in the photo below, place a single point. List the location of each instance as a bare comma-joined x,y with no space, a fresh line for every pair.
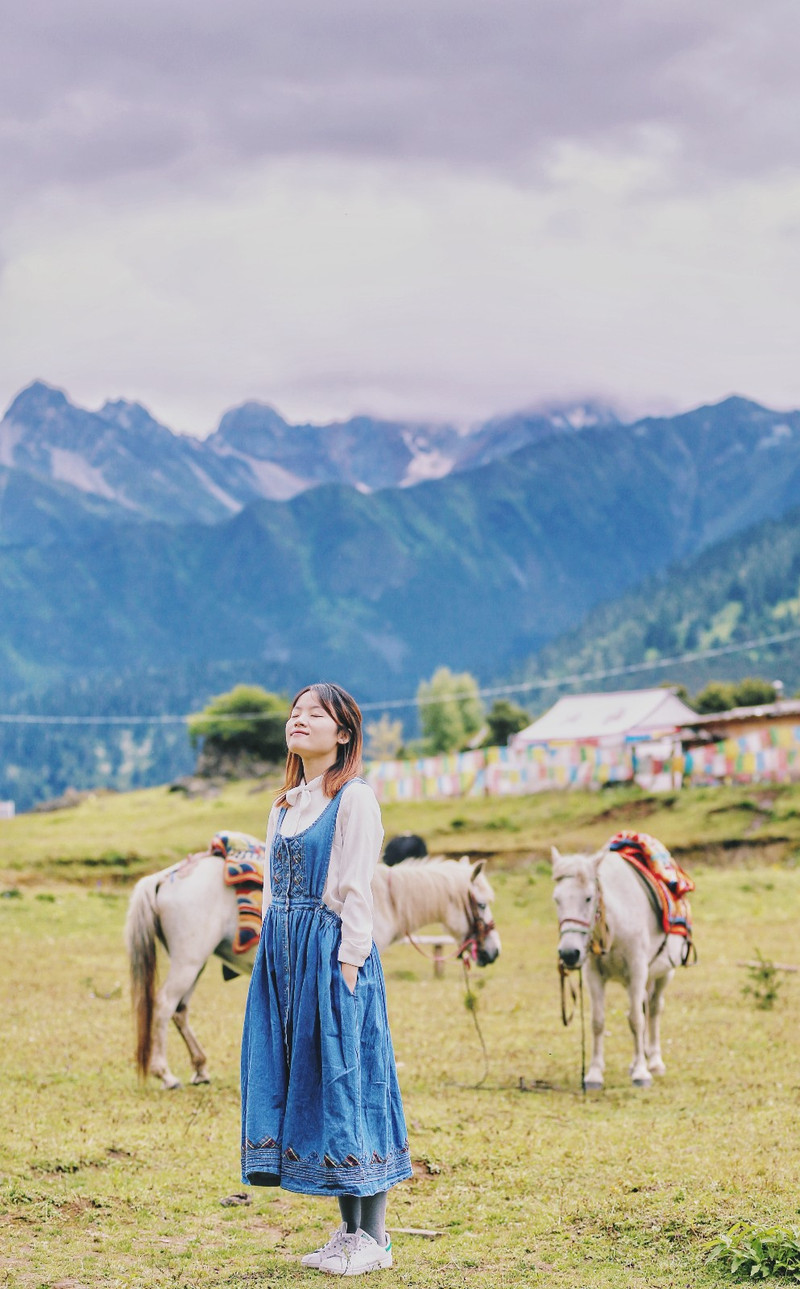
301,795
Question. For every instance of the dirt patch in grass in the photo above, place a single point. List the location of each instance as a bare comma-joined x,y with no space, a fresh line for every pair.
78,1205
640,809
736,852
66,1167
755,824
424,1169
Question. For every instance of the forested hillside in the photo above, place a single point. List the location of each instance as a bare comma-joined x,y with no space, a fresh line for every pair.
744,588
478,570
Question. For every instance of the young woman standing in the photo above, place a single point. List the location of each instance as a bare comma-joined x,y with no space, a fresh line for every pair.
321,1107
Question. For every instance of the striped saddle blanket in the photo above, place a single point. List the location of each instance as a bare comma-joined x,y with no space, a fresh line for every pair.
244,857
667,884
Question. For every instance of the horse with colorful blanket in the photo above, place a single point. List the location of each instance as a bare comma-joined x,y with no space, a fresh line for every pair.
210,903
623,915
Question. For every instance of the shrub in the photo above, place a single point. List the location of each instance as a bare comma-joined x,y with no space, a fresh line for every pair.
247,720
505,719
757,1251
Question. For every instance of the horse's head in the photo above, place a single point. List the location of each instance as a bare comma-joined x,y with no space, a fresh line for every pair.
576,895
480,934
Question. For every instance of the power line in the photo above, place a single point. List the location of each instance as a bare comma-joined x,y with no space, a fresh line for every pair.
527,686
554,682
11,718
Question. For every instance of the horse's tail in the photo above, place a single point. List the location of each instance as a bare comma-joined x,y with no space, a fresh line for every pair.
140,941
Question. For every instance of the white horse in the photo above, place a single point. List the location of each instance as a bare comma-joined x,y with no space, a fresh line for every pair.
193,913
608,925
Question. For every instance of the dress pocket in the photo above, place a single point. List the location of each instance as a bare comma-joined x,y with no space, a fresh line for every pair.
351,992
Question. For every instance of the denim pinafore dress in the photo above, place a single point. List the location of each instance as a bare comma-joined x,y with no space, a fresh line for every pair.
321,1107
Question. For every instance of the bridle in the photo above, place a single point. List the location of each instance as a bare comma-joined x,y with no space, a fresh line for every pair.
597,928
481,928
599,944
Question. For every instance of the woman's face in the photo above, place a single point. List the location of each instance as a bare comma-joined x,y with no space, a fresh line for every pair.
311,731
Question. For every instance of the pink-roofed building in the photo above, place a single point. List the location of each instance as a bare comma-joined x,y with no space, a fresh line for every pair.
621,717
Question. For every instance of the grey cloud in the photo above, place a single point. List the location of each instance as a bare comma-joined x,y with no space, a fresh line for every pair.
95,89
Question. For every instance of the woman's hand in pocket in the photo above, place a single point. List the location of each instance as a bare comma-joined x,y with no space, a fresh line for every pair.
350,974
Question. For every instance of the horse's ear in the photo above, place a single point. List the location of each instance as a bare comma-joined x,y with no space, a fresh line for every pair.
465,859
477,870
555,855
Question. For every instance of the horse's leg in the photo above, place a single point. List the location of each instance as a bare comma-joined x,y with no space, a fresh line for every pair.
637,999
179,984
158,1056
656,1006
597,995
196,1053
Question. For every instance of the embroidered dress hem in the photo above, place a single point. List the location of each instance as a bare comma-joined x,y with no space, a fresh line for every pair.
265,1166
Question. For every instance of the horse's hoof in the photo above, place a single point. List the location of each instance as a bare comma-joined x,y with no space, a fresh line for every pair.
200,1076
593,1085
169,1085
642,1082
659,1068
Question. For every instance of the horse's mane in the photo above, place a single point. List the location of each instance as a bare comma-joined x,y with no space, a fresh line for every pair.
423,882
571,866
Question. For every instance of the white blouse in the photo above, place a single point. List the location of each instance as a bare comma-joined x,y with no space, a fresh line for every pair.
355,852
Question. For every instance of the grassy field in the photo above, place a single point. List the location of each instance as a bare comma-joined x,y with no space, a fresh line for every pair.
113,838
104,1182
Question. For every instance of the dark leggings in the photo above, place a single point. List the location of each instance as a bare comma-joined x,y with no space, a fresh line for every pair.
367,1212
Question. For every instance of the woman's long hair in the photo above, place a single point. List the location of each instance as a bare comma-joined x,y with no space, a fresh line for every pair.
345,711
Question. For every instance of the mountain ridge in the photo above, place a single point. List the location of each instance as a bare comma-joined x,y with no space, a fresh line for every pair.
478,569
123,454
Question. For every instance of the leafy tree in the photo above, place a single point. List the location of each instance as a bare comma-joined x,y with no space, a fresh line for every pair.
384,738
450,710
505,719
721,696
754,692
718,696
247,719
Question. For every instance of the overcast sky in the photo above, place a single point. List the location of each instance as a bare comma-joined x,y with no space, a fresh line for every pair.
440,208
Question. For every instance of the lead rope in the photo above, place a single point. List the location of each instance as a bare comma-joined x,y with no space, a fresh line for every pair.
472,1007
583,1036
471,1003
470,999
567,1019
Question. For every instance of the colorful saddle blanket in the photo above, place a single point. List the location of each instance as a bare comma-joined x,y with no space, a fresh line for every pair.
244,858
667,884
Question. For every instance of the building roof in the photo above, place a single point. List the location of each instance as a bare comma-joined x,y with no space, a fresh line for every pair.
632,713
765,712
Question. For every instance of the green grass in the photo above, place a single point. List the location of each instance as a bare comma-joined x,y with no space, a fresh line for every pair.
113,838
106,1183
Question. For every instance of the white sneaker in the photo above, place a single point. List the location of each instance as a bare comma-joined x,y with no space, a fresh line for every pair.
357,1254
331,1246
